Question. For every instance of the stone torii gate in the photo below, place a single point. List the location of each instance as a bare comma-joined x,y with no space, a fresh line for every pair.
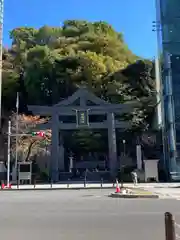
81,105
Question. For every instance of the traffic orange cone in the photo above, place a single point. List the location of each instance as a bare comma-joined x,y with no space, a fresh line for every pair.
118,190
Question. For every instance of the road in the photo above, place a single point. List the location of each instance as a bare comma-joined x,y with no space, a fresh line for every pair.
81,214
168,192
164,190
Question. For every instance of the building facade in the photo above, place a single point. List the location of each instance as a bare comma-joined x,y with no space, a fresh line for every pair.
168,32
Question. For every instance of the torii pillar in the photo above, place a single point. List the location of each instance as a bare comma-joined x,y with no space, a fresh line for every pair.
55,148
112,144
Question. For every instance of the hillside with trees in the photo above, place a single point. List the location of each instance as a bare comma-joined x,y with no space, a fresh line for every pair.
48,64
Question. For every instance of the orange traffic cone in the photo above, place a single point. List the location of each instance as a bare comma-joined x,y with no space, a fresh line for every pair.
118,190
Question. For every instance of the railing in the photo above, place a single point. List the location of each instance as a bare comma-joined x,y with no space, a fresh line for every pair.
66,185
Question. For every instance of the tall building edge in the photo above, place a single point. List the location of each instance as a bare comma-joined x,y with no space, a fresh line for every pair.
169,71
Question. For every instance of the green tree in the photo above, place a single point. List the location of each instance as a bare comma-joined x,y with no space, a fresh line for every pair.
55,61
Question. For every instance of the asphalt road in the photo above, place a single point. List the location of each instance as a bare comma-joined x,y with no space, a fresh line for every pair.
82,215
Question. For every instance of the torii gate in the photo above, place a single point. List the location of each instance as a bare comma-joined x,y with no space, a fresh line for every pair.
82,104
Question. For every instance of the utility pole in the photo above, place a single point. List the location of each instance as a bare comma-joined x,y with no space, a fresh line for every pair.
17,131
9,153
1,51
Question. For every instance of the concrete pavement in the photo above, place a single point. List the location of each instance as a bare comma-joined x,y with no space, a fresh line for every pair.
72,185
82,214
164,190
63,186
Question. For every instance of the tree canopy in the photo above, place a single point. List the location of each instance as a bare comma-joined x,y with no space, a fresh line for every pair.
48,64
56,60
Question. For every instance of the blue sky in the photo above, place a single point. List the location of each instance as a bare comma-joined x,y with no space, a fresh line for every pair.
132,17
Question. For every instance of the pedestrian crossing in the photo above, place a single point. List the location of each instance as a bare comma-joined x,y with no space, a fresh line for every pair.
170,197
167,196
166,193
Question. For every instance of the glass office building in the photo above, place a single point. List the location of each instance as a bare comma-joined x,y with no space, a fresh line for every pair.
168,31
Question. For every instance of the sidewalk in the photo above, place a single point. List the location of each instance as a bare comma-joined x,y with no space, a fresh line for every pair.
66,186
63,186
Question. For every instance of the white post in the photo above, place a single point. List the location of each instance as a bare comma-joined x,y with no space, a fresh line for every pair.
70,164
17,131
9,153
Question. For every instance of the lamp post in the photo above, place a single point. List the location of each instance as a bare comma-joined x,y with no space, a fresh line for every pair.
9,153
17,131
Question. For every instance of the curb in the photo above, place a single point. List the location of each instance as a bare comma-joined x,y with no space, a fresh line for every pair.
116,195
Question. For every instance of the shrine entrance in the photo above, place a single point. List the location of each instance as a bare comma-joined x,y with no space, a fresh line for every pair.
86,150
75,113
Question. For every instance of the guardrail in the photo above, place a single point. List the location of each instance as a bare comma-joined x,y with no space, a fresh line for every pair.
67,185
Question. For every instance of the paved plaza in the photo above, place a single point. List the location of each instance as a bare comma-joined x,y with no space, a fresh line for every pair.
81,214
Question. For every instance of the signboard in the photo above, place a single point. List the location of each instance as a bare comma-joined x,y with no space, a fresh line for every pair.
151,169
82,118
24,176
24,171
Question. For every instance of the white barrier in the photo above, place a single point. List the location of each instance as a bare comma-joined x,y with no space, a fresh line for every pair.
63,186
